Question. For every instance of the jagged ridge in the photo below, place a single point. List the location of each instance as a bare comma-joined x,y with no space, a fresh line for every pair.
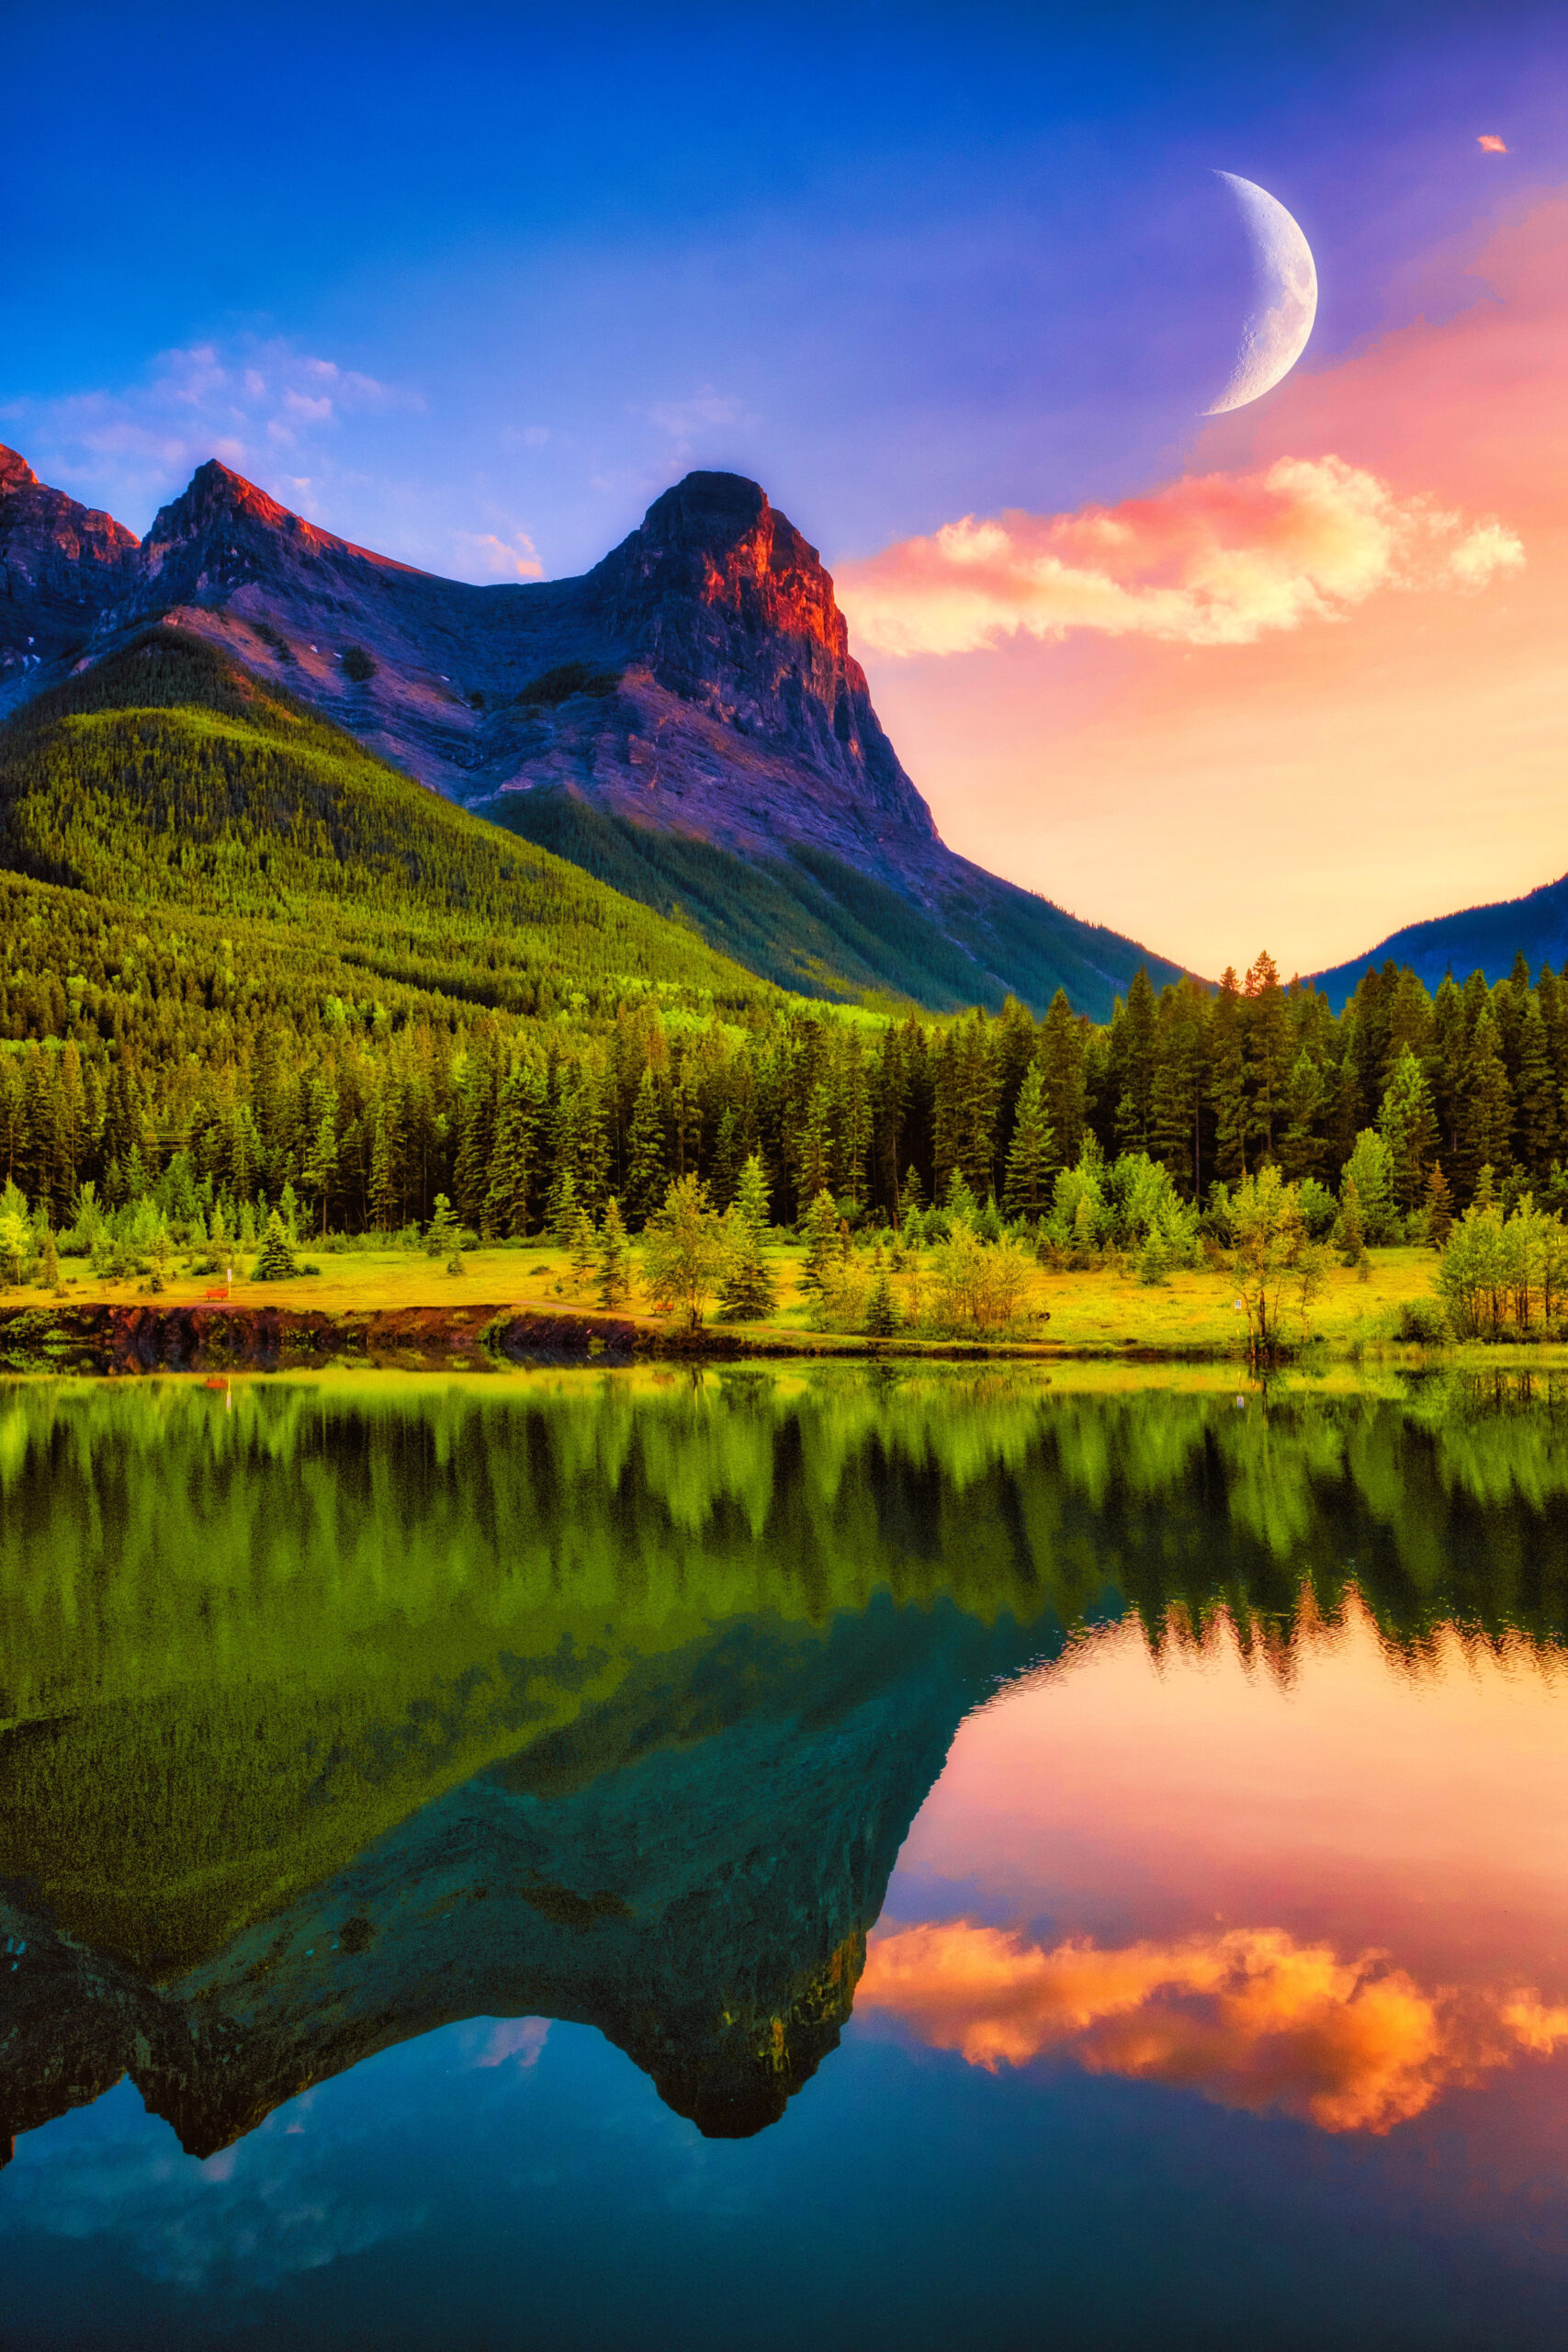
697,685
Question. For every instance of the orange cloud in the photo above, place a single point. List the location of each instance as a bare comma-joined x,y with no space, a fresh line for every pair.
1212,560
1492,146
1250,2019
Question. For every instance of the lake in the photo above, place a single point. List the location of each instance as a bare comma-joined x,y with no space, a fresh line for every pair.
835,1857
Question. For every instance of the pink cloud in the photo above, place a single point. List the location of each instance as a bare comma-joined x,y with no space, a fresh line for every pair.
1211,559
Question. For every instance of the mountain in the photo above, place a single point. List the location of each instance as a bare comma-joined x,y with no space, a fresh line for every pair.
1478,939
703,1899
166,775
61,566
687,719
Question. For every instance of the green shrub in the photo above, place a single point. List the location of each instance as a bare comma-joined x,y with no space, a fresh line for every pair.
567,678
1423,1323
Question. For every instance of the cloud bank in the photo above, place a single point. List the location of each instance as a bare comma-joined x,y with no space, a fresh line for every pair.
1250,2019
1220,559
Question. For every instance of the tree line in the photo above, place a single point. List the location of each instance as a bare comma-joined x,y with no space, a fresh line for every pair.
152,1064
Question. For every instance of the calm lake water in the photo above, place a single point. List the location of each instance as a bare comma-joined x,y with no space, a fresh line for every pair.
757,1861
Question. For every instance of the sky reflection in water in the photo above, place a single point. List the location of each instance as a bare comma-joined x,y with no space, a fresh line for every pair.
1219,1995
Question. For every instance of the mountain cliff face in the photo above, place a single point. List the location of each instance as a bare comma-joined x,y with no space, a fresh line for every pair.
62,566
696,685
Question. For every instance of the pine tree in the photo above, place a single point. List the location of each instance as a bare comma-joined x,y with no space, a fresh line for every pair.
1300,1149
1352,1232
1134,1027
563,1215
275,1263
648,1165
1488,1117
49,1272
1177,1102
1228,1082
584,1248
1408,1124
747,1292
1031,1157
442,1235
565,1189
882,1316
959,1200
473,1168
615,1258
383,1190
753,1197
321,1167
519,1105
1536,1097
1268,1042
727,1158
820,1234
814,1147
1439,1209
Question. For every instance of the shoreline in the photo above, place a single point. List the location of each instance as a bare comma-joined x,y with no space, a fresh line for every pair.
109,1338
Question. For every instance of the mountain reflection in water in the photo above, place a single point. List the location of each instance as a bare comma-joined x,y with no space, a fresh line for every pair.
362,1708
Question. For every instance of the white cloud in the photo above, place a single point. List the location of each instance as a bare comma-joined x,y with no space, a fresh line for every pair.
493,556
684,422
245,402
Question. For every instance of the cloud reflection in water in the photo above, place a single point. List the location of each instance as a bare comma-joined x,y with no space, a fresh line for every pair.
1251,2018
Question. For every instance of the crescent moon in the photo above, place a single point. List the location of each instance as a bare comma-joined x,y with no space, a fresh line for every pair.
1285,284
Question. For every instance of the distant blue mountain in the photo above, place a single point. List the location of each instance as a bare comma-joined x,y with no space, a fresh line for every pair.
1478,939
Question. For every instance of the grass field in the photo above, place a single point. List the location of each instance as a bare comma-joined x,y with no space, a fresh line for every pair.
1100,1311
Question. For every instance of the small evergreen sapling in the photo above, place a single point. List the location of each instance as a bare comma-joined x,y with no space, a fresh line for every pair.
615,1258
820,1234
1440,1210
275,1263
882,1316
442,1235
584,1247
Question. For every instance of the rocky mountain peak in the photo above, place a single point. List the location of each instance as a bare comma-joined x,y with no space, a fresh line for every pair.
219,512
214,494
15,473
62,565
714,538
729,609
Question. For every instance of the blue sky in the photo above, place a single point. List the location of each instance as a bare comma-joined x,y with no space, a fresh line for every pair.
897,262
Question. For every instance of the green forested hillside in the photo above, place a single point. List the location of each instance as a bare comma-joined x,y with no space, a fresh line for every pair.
243,963
168,776
805,920
817,926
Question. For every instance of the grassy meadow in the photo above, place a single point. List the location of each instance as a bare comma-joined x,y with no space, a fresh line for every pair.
1104,1310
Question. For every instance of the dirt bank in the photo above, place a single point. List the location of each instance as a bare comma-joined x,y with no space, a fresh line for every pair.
108,1337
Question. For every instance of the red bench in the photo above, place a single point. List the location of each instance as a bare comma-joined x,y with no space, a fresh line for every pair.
221,1292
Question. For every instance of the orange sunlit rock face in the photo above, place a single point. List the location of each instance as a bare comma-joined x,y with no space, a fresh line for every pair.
1249,2017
